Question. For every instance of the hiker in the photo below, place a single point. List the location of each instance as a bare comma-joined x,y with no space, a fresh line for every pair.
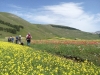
16,39
19,39
12,39
9,39
28,38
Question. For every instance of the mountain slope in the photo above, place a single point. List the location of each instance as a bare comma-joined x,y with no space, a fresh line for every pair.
67,32
39,31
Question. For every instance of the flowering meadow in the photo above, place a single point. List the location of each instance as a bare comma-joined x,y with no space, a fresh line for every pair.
66,41
79,50
22,60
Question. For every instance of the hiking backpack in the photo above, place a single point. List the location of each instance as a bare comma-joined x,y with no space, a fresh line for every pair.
29,37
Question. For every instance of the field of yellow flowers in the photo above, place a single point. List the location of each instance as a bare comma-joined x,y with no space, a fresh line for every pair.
22,60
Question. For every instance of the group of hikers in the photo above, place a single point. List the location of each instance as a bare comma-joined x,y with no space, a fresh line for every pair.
18,39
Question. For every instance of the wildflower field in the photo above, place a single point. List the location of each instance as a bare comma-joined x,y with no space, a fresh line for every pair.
23,60
78,50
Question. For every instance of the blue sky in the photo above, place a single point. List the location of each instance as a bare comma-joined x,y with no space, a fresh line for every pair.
80,14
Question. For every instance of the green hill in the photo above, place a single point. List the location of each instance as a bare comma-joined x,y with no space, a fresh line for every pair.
12,25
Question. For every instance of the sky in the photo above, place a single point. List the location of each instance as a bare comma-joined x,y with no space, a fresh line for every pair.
80,14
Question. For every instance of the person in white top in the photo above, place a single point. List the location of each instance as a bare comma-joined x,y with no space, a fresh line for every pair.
19,39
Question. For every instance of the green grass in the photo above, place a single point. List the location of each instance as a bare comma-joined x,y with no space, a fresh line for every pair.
81,52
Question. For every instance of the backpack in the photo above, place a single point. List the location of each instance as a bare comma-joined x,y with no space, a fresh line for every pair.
29,37
16,37
9,39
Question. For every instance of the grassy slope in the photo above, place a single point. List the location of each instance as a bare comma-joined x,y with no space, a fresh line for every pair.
42,31
67,33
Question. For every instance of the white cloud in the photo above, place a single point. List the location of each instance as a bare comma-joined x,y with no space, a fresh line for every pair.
70,10
67,14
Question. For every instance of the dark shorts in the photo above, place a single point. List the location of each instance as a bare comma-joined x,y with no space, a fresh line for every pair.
29,41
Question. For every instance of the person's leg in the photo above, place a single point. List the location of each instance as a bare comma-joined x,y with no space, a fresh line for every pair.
19,41
16,41
28,42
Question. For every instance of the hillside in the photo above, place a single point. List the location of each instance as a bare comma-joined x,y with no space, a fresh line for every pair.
9,23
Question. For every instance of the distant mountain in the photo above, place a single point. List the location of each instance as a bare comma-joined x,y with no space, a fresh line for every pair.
97,32
12,25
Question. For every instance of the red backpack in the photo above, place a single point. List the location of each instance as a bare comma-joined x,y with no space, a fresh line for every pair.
29,37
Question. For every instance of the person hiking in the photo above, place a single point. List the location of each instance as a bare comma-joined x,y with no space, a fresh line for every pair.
28,38
9,39
12,39
16,39
19,39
